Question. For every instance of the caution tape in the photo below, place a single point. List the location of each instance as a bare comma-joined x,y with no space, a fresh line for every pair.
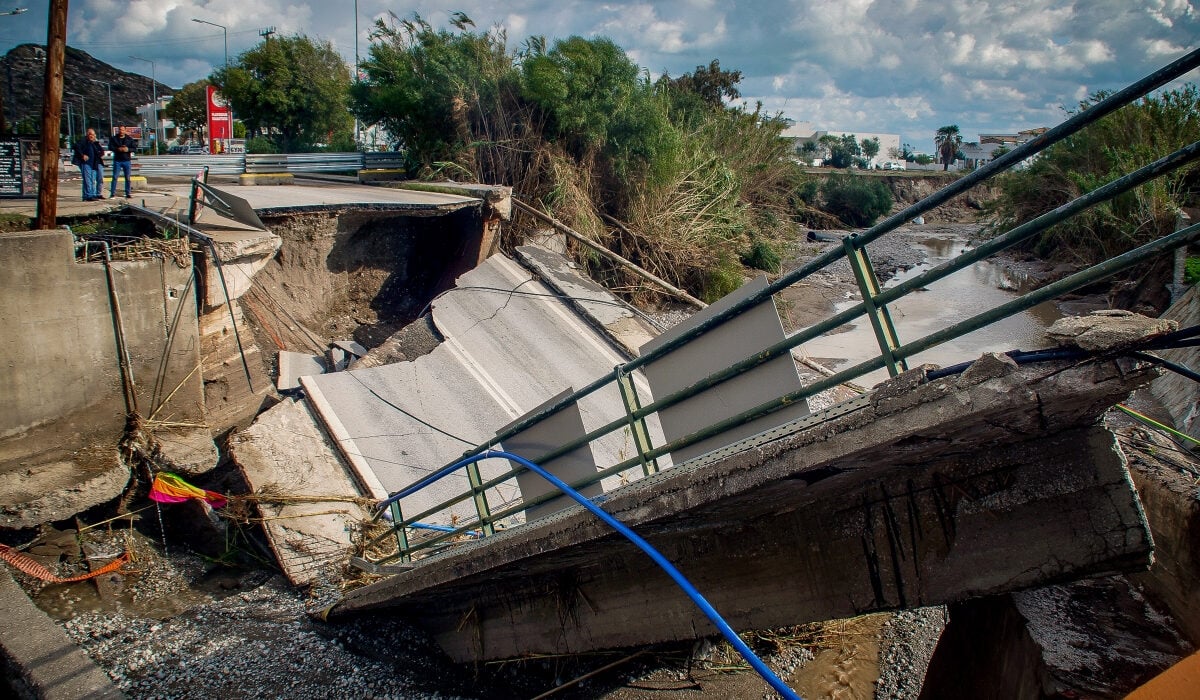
26,564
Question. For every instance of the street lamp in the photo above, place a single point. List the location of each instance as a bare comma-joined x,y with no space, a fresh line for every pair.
83,103
154,107
111,128
224,31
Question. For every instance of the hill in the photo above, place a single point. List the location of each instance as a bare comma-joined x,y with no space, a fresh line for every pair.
22,71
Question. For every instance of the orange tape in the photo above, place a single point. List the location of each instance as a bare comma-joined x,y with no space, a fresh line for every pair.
31,567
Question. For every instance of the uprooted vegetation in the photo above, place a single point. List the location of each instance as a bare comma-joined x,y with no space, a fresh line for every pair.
663,172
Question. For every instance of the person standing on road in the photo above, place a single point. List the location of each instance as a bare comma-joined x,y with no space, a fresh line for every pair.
122,147
89,156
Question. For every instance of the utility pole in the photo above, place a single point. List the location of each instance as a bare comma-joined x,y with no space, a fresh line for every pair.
56,48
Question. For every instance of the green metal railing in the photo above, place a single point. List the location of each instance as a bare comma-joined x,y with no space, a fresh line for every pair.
874,305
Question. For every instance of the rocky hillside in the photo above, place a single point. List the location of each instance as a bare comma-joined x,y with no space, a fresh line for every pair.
23,71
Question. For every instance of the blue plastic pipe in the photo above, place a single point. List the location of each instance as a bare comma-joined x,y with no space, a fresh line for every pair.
709,611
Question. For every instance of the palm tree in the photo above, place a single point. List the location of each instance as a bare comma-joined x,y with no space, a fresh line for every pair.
947,140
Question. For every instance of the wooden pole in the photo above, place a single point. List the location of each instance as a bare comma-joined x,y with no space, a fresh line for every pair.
627,264
56,48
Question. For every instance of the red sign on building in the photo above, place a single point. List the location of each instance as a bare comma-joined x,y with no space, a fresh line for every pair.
220,124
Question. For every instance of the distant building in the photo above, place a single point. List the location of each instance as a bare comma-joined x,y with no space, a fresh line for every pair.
985,150
804,132
1012,140
166,127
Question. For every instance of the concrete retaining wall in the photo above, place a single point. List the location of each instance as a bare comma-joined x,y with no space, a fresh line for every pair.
60,369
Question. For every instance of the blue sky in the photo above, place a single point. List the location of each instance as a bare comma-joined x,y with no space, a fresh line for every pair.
889,66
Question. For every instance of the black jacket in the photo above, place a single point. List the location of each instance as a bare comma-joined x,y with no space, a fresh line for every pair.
114,144
92,149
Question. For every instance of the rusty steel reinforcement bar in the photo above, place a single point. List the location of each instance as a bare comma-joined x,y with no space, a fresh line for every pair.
633,267
1030,148
1078,280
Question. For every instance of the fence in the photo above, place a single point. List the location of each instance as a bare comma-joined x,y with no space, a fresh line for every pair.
873,305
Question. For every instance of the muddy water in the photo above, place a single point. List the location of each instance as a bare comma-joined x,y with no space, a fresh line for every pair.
968,292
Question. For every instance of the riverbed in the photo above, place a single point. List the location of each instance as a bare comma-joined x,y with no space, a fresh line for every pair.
964,294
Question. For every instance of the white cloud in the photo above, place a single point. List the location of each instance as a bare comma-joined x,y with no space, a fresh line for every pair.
894,66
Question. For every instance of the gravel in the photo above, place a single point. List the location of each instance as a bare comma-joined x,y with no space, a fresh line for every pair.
909,639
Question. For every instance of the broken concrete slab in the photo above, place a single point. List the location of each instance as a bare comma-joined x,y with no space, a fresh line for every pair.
943,494
628,329
57,490
336,359
353,347
189,451
310,503
503,354
1107,330
1096,639
42,660
294,365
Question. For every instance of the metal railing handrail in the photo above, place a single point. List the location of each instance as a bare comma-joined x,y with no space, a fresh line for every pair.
856,243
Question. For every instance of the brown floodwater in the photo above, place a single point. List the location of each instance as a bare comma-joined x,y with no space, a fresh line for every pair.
970,291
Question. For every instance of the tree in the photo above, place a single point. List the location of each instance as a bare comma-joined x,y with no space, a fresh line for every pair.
711,84
291,90
437,92
188,108
870,147
583,84
842,150
947,141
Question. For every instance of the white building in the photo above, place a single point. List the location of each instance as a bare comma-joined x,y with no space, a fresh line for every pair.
166,128
804,132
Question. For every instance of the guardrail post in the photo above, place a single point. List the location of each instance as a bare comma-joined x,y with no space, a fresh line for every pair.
480,498
401,532
881,319
637,427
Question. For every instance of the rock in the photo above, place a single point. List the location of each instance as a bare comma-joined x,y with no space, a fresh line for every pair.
1107,330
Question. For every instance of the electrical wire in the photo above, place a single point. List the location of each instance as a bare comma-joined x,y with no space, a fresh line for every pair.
686,586
561,297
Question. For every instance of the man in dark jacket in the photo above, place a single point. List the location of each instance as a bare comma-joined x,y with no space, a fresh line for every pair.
89,156
122,147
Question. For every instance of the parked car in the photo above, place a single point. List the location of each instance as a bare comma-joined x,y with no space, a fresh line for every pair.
195,149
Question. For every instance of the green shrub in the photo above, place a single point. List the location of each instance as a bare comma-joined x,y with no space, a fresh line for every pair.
259,144
856,200
762,256
1192,271
721,280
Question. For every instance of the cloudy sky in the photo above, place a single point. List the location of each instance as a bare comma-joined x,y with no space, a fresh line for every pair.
888,66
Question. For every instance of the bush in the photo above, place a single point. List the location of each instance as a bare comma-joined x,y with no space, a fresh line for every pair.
721,280
258,144
856,200
1192,271
762,256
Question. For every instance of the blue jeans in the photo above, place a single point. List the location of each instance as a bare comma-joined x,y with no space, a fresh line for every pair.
117,167
91,188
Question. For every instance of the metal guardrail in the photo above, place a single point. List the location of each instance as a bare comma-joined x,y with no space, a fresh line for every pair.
303,162
190,165
874,303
